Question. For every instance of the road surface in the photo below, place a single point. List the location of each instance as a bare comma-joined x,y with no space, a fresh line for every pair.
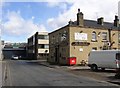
28,73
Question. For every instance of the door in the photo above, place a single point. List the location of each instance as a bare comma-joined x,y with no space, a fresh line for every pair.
57,55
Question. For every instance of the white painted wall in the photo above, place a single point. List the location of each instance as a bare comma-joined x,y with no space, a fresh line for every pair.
40,41
42,50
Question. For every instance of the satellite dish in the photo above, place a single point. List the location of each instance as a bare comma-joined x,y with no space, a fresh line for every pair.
108,43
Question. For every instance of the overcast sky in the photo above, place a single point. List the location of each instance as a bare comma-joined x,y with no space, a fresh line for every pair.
22,19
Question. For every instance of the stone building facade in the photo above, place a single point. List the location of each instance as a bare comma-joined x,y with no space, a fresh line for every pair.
80,37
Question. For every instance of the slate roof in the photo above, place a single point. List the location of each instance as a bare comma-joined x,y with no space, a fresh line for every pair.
94,24
106,25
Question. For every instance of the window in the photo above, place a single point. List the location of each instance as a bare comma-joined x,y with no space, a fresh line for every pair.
43,46
46,46
104,35
46,37
43,37
119,38
94,48
94,37
63,37
118,56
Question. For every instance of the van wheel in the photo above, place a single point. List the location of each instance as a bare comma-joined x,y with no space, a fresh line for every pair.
103,69
94,67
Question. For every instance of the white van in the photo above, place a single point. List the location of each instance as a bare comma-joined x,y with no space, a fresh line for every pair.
104,59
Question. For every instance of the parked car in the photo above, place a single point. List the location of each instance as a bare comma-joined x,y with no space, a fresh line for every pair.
104,59
15,57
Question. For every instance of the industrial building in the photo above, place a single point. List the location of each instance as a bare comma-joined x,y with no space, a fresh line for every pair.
80,37
38,46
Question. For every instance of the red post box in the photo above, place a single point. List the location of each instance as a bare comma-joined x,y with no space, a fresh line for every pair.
71,60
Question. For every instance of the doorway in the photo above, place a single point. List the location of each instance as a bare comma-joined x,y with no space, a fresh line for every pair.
57,55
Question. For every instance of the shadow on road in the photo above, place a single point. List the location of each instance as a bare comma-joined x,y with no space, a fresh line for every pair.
99,71
113,80
107,71
33,63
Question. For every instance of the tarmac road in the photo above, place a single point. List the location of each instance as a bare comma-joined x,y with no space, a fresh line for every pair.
28,73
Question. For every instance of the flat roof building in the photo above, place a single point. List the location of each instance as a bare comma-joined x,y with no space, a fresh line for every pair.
38,46
80,37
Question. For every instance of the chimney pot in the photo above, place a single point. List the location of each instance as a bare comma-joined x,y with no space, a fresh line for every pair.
79,10
116,17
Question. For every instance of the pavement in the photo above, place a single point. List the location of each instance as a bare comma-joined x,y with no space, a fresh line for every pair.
45,63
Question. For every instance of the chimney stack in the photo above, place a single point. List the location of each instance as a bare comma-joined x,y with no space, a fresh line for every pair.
80,19
70,22
100,20
116,21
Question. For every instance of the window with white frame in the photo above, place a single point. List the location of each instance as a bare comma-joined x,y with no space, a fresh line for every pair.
104,35
94,36
119,38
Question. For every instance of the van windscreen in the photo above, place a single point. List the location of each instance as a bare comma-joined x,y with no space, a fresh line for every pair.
118,56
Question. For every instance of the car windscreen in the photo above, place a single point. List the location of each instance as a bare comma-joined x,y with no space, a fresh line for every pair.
118,56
